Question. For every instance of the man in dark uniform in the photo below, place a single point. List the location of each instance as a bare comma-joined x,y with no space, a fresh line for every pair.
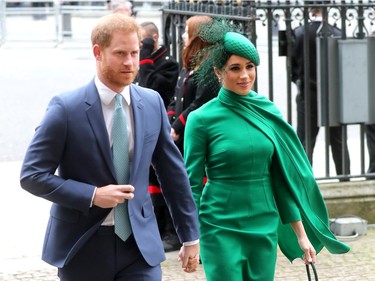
370,138
298,73
158,71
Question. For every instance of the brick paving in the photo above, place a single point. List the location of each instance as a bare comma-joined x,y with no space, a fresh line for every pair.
358,264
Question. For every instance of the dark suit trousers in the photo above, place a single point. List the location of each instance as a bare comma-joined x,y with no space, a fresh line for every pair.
370,137
106,257
335,133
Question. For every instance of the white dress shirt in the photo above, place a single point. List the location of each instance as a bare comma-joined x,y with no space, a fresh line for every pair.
107,98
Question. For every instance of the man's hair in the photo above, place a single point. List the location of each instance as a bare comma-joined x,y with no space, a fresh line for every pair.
150,28
103,30
318,5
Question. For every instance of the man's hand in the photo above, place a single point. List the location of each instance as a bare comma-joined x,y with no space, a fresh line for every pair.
189,256
174,136
110,196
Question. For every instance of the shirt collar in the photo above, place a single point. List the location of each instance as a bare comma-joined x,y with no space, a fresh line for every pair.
107,95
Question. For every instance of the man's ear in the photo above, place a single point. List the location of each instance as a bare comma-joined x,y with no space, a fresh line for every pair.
156,40
97,52
155,37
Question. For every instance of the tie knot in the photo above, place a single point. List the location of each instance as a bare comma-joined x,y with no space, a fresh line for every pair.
118,100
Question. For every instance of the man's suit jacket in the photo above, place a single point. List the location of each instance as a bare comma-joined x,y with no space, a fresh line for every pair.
73,138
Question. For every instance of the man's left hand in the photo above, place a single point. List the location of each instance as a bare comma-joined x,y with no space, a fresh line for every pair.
189,256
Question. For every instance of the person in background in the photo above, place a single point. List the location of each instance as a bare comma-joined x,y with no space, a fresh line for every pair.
298,77
188,96
121,6
257,172
85,239
370,138
158,70
40,14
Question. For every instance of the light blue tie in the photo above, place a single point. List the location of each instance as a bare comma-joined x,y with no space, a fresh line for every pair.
120,151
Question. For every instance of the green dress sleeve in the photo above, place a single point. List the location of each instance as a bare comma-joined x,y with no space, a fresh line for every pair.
286,205
195,145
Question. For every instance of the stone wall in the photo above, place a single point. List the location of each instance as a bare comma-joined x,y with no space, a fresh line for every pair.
354,198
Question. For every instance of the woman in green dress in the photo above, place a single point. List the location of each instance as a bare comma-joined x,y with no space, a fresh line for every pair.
260,190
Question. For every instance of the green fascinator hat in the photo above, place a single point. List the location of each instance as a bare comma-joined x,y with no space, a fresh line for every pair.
226,39
237,44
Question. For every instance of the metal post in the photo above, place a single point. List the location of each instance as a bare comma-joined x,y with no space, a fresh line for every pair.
57,11
252,29
308,148
323,33
288,25
66,19
270,52
3,31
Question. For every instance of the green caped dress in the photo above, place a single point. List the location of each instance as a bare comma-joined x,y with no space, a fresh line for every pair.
258,181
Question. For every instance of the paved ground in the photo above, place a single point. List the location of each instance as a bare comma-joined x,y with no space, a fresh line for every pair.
29,76
24,218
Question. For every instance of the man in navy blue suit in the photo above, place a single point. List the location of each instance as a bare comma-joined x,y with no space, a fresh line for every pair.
75,138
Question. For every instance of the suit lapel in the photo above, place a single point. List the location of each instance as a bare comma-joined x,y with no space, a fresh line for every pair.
138,113
94,113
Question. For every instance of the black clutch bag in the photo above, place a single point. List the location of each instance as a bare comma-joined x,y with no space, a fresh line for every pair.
314,271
